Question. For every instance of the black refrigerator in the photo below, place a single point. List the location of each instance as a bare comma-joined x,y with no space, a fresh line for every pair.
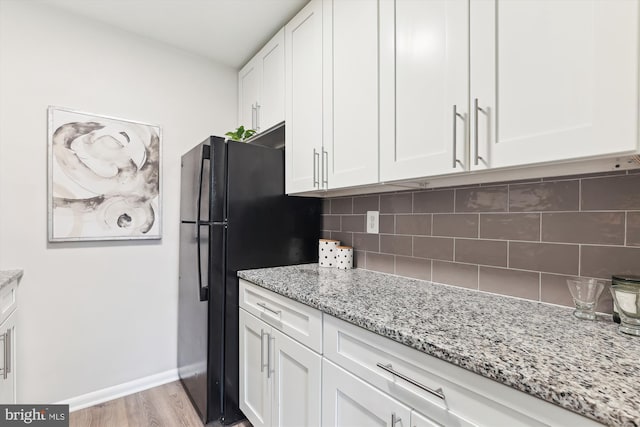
234,215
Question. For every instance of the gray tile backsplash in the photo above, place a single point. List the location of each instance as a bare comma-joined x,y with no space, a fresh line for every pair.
516,238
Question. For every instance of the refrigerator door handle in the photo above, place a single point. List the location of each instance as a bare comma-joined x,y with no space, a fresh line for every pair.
203,291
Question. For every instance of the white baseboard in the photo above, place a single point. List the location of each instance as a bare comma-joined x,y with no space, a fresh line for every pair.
116,391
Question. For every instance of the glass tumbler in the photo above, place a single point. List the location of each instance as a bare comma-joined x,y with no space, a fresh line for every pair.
627,301
585,293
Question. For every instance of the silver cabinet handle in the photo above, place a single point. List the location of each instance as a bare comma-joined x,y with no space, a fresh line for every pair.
8,347
253,116
456,115
325,178
269,339
395,419
258,116
437,393
476,108
316,158
3,338
263,305
262,335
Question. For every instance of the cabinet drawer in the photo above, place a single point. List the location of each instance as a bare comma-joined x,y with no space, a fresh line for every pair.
408,375
300,322
8,300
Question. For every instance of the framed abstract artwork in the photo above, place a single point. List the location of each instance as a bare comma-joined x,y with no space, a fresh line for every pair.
104,178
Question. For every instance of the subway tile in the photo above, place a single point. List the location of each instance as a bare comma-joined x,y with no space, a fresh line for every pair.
366,242
326,206
583,227
368,203
396,203
354,223
417,268
605,261
485,252
545,196
451,273
481,199
399,245
387,224
380,262
611,193
553,289
331,222
455,225
343,205
523,284
433,247
547,257
433,201
413,224
346,239
325,234
359,259
633,229
510,226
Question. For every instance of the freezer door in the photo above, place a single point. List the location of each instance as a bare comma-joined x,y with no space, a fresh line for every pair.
203,182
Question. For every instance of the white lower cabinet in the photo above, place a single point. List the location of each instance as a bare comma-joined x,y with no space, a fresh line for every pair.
296,383
7,361
8,315
348,401
255,384
280,379
347,376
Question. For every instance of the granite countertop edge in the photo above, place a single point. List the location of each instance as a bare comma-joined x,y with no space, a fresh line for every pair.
7,276
561,395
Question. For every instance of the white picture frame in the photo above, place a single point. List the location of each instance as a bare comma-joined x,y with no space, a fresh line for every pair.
104,178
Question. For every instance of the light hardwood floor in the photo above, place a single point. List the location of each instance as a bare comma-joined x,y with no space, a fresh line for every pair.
163,406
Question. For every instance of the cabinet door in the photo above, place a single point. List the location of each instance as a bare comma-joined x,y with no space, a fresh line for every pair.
423,76
303,102
554,80
255,395
297,383
248,92
348,401
350,92
270,108
8,360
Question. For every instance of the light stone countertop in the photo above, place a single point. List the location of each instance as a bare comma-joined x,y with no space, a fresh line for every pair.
6,276
540,349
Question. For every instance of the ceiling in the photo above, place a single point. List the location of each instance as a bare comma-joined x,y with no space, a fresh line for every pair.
227,31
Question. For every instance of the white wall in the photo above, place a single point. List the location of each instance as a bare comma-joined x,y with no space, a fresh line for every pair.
93,315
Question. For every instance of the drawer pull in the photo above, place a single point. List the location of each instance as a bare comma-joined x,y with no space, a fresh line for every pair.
263,305
437,393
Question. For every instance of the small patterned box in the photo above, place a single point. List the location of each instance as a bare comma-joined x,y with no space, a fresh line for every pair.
344,258
327,250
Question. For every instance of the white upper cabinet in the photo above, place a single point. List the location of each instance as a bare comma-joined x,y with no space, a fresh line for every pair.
553,80
424,96
303,101
248,80
261,87
350,61
270,109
